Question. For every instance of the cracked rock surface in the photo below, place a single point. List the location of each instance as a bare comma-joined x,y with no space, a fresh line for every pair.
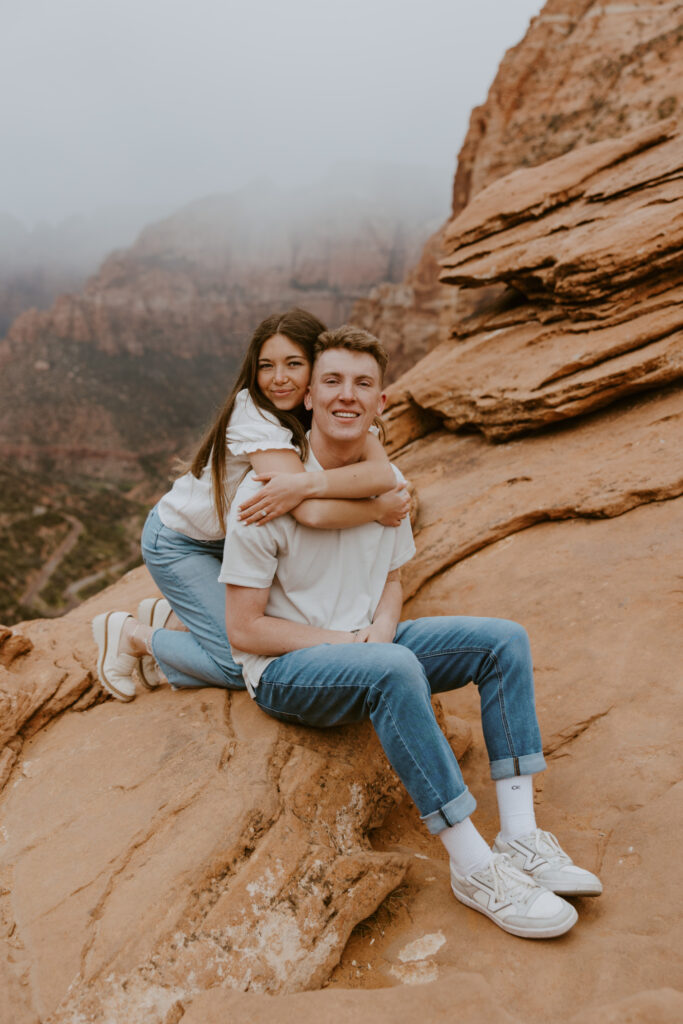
152,851
601,601
472,493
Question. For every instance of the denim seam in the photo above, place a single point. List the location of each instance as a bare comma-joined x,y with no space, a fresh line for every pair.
154,539
532,753
499,689
398,733
501,703
452,650
266,707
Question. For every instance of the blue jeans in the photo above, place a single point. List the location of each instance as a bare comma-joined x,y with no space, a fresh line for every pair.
186,572
392,685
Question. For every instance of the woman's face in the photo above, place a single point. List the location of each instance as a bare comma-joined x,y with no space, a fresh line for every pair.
283,372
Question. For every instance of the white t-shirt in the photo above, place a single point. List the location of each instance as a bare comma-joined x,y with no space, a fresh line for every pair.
328,578
188,507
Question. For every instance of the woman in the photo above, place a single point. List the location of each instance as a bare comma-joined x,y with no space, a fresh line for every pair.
261,426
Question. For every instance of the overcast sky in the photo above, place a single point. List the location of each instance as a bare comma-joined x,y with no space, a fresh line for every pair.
163,101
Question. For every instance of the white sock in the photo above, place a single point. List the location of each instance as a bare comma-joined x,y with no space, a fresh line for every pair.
516,806
466,847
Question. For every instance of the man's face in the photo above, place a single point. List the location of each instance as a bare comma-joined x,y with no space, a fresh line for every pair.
345,394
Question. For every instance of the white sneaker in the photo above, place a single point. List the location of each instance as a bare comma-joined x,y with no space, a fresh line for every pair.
154,612
539,855
513,900
115,670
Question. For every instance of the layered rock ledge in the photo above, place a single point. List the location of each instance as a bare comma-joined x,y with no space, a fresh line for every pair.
572,279
585,71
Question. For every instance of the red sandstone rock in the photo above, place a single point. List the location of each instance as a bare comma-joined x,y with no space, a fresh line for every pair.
188,843
585,71
413,317
189,804
12,646
590,245
472,495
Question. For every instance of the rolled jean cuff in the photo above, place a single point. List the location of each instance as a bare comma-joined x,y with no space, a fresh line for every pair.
451,813
527,764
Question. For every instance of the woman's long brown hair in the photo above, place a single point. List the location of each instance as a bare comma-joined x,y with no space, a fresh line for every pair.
303,329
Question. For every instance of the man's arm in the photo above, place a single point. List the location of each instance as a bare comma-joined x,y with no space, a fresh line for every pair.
388,613
249,629
340,513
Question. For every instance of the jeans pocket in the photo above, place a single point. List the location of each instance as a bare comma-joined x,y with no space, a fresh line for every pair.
150,533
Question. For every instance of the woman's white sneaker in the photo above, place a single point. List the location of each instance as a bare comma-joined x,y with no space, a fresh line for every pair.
154,612
540,856
115,671
513,900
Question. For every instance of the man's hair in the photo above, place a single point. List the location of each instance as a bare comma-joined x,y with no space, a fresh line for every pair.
356,340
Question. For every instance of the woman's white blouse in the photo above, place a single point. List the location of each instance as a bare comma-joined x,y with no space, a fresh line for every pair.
188,507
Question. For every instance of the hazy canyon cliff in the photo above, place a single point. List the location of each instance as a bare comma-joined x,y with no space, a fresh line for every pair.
173,314
99,393
39,263
184,858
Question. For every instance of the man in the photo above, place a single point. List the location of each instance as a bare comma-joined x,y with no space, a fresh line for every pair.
313,617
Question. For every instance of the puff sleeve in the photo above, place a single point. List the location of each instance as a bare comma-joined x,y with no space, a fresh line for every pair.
252,429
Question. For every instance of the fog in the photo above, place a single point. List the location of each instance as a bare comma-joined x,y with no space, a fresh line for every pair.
154,103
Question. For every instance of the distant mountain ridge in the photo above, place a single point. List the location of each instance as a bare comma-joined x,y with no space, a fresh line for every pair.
112,382
193,286
39,263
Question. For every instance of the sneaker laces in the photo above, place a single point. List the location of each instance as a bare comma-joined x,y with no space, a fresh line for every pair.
508,882
547,844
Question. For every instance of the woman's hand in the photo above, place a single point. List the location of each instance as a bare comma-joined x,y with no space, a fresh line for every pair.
392,506
280,494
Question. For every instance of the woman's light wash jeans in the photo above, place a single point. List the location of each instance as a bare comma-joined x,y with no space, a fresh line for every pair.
391,684
186,572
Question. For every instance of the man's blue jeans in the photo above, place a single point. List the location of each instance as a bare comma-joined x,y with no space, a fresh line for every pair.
391,684
186,572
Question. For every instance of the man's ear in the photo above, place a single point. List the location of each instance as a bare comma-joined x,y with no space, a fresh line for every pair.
380,404
308,404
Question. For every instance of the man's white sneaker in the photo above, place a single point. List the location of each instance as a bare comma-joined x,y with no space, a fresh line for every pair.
513,900
115,670
154,612
540,855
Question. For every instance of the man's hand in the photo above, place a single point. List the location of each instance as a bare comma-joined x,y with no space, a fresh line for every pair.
392,506
387,614
377,633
